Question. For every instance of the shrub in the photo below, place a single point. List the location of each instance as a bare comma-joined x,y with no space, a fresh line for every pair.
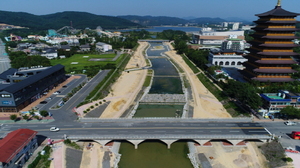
92,107
288,159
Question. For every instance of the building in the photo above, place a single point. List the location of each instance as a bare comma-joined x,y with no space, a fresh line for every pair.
271,53
16,148
234,44
103,47
226,58
207,36
21,87
274,102
235,26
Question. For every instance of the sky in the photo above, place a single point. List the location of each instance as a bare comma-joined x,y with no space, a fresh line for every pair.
244,9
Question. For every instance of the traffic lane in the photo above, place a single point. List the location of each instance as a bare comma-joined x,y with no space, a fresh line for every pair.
173,130
176,124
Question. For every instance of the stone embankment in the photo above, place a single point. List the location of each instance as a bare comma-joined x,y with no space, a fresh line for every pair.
163,98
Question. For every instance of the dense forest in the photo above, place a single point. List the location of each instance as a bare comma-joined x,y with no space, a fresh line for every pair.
80,20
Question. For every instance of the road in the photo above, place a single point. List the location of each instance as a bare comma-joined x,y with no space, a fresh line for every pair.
65,113
280,129
4,60
153,129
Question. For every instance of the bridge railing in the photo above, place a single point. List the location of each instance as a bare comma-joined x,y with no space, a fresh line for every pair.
166,119
166,137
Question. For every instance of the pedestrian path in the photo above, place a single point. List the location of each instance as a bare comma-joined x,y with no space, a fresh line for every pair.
7,120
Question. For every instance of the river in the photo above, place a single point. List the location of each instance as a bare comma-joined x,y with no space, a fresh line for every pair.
154,153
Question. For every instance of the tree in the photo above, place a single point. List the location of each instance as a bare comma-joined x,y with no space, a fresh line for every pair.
25,117
44,113
13,117
290,112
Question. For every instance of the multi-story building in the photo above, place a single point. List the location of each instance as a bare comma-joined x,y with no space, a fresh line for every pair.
226,58
16,148
271,53
234,44
21,87
274,102
207,36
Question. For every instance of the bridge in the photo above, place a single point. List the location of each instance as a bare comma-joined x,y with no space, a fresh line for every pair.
199,131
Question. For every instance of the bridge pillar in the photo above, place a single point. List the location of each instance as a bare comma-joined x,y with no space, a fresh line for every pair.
169,142
203,141
234,142
102,142
135,143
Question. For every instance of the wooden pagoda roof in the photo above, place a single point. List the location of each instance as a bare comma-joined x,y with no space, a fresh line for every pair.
274,70
278,11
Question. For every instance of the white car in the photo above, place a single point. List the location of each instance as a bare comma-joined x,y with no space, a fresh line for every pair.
290,123
54,129
57,92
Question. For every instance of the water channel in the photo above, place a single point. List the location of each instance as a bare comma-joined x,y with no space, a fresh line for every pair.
154,153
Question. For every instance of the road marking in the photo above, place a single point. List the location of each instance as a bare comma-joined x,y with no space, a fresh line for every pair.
160,131
257,131
234,131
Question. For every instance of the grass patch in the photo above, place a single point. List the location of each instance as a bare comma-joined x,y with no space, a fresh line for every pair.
148,79
72,144
41,161
190,64
83,62
211,87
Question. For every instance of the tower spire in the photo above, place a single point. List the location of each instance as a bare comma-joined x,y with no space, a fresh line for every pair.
279,3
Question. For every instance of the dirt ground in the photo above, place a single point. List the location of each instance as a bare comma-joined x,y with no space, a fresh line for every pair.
126,88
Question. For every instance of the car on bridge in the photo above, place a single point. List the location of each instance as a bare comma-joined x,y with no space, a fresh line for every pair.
290,123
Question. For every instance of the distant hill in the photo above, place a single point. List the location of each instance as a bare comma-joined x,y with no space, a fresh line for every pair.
154,20
205,20
80,20
165,20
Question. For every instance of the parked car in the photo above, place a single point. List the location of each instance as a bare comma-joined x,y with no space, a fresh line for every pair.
43,102
57,92
290,123
54,129
65,86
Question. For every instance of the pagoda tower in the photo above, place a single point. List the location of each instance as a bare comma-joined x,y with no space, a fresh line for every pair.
271,52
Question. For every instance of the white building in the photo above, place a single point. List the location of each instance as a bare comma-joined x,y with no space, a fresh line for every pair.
235,26
234,44
103,47
207,36
226,58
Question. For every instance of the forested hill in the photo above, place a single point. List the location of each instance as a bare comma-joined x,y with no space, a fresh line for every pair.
165,20
154,20
80,20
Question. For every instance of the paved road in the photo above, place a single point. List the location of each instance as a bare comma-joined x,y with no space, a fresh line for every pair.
155,129
280,129
4,60
65,113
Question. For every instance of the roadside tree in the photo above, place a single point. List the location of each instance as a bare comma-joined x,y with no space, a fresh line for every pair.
13,117
44,113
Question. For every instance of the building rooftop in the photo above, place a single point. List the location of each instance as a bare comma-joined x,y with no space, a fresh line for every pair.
14,142
277,11
31,79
